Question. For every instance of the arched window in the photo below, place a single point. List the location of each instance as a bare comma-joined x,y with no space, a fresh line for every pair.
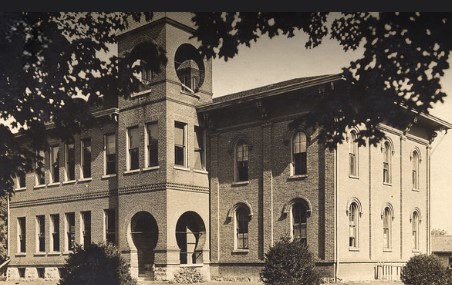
353,153
415,225
387,153
387,228
241,161
242,218
353,220
415,170
299,221
299,162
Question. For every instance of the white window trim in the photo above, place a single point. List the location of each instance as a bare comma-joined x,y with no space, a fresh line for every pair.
51,231
146,148
19,233
38,228
105,175
203,147
128,161
66,160
185,128
51,158
82,160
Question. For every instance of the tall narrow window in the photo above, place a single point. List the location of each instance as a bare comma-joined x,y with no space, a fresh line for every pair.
199,148
110,154
387,163
180,156
353,154
415,170
86,228
70,231
299,160
299,221
241,161
242,218
40,169
353,221
152,145
70,162
41,233
55,232
21,235
133,143
415,232
110,225
20,181
387,228
86,157
54,164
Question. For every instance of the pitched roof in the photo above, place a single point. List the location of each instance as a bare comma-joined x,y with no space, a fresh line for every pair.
442,243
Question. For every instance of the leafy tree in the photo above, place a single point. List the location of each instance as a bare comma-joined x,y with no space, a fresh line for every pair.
424,269
289,262
405,55
56,67
3,229
97,264
438,232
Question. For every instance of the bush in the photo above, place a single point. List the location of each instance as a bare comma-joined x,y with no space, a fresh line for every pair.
424,269
188,275
97,264
289,263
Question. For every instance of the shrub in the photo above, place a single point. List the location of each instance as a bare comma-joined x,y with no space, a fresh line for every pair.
289,263
188,275
424,269
97,264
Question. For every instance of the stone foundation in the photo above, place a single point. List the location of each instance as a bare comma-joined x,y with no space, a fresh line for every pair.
31,273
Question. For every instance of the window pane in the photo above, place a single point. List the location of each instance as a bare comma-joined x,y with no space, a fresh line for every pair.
152,144
179,138
299,143
86,216
70,234
86,158
300,163
55,166
55,220
70,161
111,144
179,155
134,141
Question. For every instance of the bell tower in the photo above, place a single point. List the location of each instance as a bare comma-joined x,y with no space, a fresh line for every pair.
163,186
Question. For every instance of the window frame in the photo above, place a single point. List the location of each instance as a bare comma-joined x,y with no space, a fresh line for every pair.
296,164
199,146
85,228
55,243
40,234
387,218
387,163
21,235
303,223
54,173
241,215
353,152
151,150
182,126
415,166
67,167
353,219
108,231
107,155
244,169
83,161
415,230
69,234
40,179
133,154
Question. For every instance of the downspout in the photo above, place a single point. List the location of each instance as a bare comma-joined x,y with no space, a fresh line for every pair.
336,225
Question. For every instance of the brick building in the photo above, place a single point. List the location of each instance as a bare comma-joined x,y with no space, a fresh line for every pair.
177,178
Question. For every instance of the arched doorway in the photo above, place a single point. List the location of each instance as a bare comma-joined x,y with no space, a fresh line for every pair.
190,237
144,233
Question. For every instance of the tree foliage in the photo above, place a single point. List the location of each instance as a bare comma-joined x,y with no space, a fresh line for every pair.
289,262
3,229
405,55
424,269
438,232
98,264
55,68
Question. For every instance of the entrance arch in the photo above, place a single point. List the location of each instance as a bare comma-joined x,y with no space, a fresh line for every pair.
144,233
190,237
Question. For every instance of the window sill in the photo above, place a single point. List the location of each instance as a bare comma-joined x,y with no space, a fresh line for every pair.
107,176
192,265
53,184
244,251
39,186
54,253
415,251
141,93
131,171
151,168
39,254
387,249
202,171
355,249
82,180
20,254
20,189
183,168
387,183
416,190
297,177
67,252
69,182
240,183
353,177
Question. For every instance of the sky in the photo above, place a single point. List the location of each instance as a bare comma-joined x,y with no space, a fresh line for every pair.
273,60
